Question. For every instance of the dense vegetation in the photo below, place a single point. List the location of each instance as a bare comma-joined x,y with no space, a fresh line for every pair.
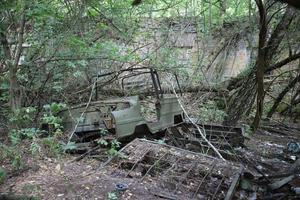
51,52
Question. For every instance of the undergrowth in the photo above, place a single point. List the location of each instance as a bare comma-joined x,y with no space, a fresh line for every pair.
210,112
27,136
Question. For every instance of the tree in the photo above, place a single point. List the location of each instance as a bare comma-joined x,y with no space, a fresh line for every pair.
252,84
15,22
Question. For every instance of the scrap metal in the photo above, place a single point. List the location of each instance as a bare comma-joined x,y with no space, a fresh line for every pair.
173,173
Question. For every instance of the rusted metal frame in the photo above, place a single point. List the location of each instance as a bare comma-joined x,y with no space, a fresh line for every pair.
155,163
121,71
180,149
185,175
132,75
96,89
219,141
154,83
218,187
164,195
101,166
184,134
221,138
204,147
158,83
174,175
177,81
172,138
193,135
192,132
137,161
203,179
216,131
234,184
170,168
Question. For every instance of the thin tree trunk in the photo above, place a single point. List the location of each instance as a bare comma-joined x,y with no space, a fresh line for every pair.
261,64
14,89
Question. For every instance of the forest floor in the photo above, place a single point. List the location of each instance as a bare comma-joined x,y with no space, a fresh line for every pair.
48,178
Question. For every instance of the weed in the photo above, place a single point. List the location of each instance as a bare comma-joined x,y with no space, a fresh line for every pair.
12,154
52,146
22,117
16,135
69,146
2,175
114,145
112,196
102,142
103,131
35,147
51,118
209,112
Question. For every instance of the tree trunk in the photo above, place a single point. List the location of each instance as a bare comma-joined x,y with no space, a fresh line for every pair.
14,87
253,82
261,65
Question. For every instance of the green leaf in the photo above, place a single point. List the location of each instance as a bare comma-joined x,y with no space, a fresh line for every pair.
69,146
102,142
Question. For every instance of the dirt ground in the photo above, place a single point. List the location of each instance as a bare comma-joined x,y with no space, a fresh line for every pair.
49,178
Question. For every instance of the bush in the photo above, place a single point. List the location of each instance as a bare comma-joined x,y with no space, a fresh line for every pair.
210,113
51,118
12,154
23,117
52,147
16,135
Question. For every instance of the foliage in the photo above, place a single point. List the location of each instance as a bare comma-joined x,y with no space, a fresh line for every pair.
102,142
2,175
12,154
35,147
51,117
16,135
23,117
103,131
69,146
66,43
113,145
112,196
210,113
52,146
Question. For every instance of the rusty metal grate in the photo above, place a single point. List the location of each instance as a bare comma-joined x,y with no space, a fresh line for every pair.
173,173
224,138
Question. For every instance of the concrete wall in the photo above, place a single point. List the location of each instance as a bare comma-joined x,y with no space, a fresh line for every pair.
196,52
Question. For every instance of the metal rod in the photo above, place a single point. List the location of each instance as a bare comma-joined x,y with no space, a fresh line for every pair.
216,191
153,165
158,82
176,77
209,172
185,175
144,154
154,84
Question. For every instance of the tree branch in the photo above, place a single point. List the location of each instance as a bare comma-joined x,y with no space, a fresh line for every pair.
283,62
282,94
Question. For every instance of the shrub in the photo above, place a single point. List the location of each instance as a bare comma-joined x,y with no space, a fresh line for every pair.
210,113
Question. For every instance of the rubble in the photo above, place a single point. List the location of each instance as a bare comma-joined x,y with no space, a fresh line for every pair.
173,173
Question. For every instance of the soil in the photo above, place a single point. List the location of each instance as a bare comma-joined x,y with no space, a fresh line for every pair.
48,178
